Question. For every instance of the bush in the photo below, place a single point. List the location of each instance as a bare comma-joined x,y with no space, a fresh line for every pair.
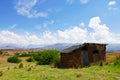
101,63
1,52
14,59
1,73
37,56
21,65
30,59
49,57
117,61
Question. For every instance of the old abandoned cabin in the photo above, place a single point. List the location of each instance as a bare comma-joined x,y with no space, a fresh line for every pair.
83,55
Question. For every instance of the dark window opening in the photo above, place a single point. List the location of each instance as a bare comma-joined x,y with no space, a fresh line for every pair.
95,52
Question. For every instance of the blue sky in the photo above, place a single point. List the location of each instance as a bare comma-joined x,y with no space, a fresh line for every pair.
59,21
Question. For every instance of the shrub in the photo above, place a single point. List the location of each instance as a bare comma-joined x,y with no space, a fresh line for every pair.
21,65
29,69
1,73
101,63
37,56
30,59
14,59
117,61
1,52
49,57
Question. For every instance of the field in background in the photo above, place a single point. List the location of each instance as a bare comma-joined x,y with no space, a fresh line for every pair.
31,71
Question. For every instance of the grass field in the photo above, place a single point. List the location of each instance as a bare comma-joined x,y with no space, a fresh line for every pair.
31,71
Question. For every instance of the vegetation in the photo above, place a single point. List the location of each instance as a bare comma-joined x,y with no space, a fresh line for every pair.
14,59
1,52
49,57
117,61
1,73
31,71
21,65
42,57
24,54
45,72
36,56
30,59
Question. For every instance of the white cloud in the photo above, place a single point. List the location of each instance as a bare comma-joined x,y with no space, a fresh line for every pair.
73,35
76,34
7,37
84,1
112,3
100,32
82,24
25,8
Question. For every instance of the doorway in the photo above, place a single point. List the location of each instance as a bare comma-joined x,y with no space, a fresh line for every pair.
84,58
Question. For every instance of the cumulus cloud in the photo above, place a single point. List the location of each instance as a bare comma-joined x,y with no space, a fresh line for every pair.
76,34
8,37
26,8
100,32
72,35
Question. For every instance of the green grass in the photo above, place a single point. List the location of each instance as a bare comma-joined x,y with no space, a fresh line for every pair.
31,71
45,72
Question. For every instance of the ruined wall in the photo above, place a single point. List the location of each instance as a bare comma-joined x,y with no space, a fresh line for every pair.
73,59
96,52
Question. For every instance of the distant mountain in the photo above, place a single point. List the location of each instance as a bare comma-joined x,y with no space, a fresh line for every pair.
113,47
61,46
10,46
58,46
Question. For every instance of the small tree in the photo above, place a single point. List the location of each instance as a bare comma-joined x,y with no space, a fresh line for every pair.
14,59
49,57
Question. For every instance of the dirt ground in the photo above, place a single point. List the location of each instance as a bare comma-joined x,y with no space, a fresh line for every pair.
108,54
3,59
13,52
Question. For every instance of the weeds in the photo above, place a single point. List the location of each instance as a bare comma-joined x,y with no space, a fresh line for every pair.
21,65
1,73
78,75
117,61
